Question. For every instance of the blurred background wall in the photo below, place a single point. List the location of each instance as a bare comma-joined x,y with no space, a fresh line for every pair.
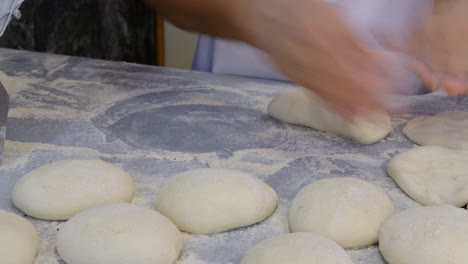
119,30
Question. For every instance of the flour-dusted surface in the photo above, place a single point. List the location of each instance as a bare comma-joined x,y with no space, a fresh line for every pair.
156,123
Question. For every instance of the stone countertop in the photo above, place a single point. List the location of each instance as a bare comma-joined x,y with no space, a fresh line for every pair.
156,123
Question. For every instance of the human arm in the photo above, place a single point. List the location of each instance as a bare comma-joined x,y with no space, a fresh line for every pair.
310,40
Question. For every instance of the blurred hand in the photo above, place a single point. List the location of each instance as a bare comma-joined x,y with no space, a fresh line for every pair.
316,47
442,45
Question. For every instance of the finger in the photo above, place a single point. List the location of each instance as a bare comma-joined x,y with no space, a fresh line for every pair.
431,79
455,86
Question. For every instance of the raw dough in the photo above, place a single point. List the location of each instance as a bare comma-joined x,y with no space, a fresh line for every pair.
447,129
347,210
302,107
297,248
119,234
432,175
61,189
215,200
429,235
19,241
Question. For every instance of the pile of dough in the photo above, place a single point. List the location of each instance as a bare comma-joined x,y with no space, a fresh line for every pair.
301,107
19,241
297,248
119,234
347,210
429,235
61,189
206,201
447,129
432,175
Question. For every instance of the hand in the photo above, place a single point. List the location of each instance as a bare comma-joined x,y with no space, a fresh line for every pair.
314,45
443,47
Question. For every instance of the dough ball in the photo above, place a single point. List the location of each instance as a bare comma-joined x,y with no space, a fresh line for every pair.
347,210
429,235
302,107
297,248
19,241
206,201
61,189
447,129
119,234
432,175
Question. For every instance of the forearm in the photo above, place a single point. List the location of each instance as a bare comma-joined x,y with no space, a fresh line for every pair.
214,17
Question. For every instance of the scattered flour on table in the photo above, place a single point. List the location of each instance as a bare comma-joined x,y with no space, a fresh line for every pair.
48,232
64,114
16,84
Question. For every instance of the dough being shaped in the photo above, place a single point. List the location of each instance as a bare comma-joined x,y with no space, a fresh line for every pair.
19,241
119,234
297,248
429,235
302,107
447,129
432,175
61,189
206,201
347,210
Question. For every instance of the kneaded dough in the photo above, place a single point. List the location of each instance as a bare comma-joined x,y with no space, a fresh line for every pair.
447,129
61,189
347,210
297,248
432,175
301,107
206,201
119,234
19,241
429,235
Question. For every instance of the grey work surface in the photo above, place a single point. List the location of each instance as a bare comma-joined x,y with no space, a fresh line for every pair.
156,123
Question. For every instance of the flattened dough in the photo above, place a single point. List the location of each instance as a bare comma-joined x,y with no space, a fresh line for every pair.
432,175
429,235
301,107
297,248
347,210
119,234
61,189
19,241
206,201
447,129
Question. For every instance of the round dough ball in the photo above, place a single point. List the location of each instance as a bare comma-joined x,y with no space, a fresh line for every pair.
119,234
19,241
297,248
447,129
206,201
432,175
347,210
429,235
61,189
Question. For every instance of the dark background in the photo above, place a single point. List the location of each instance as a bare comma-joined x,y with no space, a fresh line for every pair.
120,30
